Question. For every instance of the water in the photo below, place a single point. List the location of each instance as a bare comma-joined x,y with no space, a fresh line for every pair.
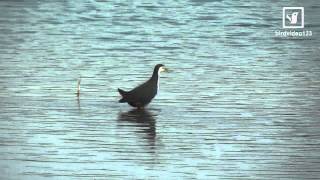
239,103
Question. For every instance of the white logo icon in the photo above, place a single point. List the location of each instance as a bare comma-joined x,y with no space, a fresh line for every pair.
293,17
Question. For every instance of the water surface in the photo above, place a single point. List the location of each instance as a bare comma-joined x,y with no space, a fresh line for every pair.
239,103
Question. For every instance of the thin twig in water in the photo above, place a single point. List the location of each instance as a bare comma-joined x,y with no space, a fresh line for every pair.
78,87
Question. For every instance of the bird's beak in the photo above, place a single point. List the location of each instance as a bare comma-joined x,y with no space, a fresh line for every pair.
165,69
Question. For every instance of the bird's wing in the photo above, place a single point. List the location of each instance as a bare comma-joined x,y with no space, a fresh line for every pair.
143,91
140,88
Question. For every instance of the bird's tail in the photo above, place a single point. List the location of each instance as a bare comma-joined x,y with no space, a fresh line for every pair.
123,94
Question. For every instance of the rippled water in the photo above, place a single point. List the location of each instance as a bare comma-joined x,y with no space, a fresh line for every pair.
239,103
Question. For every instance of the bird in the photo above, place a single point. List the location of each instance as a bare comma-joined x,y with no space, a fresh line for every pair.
143,94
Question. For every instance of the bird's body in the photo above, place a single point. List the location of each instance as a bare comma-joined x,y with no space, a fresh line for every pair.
144,93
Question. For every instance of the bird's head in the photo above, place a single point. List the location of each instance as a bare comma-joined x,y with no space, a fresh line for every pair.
160,68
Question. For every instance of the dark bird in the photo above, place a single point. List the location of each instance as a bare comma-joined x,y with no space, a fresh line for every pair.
143,94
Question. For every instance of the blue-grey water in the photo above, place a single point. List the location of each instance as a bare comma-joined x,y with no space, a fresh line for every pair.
238,102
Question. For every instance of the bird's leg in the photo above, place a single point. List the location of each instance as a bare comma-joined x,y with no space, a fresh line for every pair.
140,107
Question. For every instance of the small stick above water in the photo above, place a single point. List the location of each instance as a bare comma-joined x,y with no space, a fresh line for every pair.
78,87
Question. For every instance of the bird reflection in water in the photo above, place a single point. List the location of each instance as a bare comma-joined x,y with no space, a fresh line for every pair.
144,120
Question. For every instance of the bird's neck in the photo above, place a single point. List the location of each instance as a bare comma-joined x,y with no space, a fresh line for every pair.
155,75
155,78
